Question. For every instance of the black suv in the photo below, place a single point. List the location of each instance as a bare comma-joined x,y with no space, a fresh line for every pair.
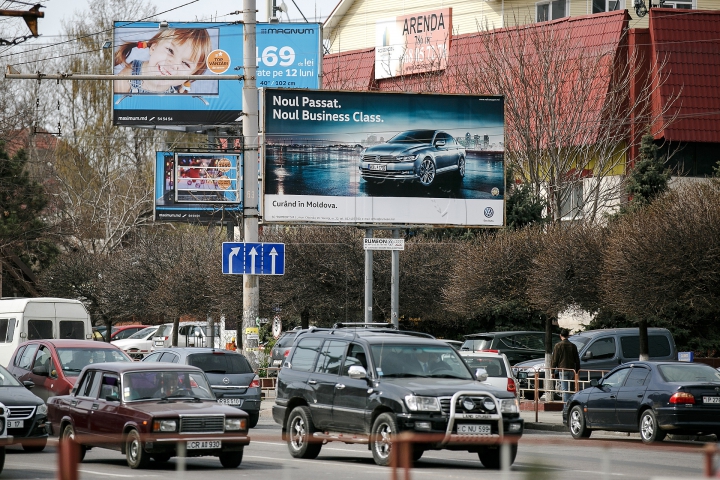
365,385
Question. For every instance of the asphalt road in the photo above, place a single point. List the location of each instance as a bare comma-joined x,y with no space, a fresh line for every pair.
542,455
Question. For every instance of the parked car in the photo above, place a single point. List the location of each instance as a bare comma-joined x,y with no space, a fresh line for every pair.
653,398
456,344
54,365
517,346
5,439
190,334
496,366
414,155
145,409
120,332
231,377
366,385
24,414
137,345
604,349
281,349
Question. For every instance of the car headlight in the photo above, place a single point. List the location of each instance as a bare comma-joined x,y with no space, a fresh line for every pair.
164,425
422,404
509,405
406,158
41,410
234,424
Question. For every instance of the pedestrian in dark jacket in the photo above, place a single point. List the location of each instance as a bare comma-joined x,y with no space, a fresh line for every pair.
565,356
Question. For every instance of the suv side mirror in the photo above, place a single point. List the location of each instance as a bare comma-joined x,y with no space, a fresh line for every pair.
594,383
588,355
357,372
481,375
41,371
522,375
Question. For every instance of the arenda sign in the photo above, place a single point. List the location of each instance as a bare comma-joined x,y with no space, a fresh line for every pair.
368,158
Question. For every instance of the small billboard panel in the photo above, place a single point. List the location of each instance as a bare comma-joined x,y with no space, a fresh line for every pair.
412,43
370,158
190,190
288,56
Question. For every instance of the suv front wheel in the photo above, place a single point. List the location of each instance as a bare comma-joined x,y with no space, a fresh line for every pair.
299,434
384,428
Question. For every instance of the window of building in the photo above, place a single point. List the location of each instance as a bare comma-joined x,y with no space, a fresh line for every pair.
572,203
676,4
545,11
600,6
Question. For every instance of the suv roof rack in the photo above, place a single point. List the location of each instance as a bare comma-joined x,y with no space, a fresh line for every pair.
363,325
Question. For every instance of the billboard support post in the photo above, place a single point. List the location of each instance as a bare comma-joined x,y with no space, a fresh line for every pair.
368,279
395,282
251,290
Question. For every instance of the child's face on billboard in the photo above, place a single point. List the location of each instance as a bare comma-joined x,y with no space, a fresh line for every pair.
169,57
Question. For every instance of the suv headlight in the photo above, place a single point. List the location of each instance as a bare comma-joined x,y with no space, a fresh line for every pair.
422,404
164,425
41,410
509,405
234,424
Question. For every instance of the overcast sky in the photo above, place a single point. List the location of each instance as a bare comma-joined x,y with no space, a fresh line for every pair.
205,10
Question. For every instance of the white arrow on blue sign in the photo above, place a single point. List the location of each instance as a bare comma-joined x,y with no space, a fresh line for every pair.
253,258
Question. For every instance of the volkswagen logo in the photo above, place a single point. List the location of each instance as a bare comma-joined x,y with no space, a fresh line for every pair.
489,212
226,380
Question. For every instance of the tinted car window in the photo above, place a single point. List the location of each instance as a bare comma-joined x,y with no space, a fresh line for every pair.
617,378
658,346
405,361
222,363
110,386
72,329
93,388
603,348
82,386
40,329
356,356
27,357
638,377
303,357
169,358
7,328
331,357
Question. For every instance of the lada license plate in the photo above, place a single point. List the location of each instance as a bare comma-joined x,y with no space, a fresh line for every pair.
203,444
474,429
378,166
711,399
230,401
15,423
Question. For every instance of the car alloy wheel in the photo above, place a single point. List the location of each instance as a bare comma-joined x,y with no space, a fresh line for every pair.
461,167
427,172
649,430
384,428
299,434
577,423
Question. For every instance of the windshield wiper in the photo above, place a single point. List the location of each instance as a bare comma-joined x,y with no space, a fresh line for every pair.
166,400
445,375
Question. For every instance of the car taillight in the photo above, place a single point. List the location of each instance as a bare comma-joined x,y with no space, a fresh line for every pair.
682,398
511,386
490,350
255,382
287,352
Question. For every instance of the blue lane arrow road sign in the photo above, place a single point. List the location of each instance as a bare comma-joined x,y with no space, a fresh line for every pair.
253,258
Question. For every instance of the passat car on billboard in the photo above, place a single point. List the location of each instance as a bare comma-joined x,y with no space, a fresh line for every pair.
367,158
197,187
288,56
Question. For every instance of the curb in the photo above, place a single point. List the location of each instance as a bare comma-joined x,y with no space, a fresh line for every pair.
548,427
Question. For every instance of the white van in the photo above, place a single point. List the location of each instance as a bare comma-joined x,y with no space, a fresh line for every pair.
23,319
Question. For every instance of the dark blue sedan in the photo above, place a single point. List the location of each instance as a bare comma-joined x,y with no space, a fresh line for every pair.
653,398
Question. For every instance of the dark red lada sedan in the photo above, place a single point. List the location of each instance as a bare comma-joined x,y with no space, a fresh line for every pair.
149,411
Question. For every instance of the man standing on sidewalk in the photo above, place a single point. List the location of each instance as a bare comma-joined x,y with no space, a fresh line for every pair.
565,356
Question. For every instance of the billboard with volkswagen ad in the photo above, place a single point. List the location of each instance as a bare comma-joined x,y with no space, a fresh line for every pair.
288,56
370,158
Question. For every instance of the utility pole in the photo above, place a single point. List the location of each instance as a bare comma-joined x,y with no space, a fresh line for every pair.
251,289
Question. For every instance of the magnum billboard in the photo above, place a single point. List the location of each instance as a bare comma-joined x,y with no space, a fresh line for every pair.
368,159
288,55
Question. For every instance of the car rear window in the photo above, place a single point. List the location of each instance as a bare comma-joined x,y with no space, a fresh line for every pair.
72,329
691,373
477,344
228,363
494,367
164,331
286,340
40,329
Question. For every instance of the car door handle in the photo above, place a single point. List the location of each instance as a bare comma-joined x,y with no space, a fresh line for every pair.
95,406
612,396
640,395
339,386
312,382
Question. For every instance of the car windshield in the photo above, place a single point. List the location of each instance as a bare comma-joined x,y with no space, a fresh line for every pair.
219,362
579,341
476,344
161,384
413,136
435,361
7,380
142,334
494,367
689,373
73,360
